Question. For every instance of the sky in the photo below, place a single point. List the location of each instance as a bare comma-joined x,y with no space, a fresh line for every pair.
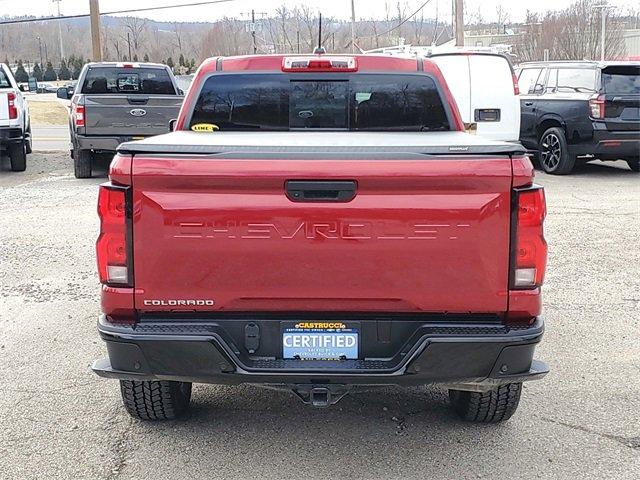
337,8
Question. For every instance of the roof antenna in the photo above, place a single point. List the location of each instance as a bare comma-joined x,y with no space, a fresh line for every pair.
319,50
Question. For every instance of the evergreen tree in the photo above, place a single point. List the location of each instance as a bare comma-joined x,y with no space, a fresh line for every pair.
135,57
21,74
37,72
146,57
181,61
77,67
63,72
49,73
170,63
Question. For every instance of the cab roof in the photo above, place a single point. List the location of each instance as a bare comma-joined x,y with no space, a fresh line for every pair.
274,62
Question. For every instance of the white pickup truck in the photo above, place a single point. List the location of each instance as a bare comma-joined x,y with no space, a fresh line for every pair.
15,126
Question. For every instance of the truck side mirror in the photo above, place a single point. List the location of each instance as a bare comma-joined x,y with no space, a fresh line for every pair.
172,124
21,88
63,93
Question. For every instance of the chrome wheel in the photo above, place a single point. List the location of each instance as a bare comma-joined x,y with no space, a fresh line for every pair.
550,152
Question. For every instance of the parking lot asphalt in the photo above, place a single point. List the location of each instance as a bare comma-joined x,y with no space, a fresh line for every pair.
58,420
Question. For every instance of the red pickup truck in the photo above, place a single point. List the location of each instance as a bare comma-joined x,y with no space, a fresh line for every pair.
317,223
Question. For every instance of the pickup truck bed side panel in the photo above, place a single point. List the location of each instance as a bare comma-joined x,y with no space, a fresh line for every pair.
426,235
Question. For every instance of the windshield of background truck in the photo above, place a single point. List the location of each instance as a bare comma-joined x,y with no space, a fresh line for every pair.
355,102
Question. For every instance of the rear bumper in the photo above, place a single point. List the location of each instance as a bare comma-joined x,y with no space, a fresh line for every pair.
10,135
609,145
466,357
107,144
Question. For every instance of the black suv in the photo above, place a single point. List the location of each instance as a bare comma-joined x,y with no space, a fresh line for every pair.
580,111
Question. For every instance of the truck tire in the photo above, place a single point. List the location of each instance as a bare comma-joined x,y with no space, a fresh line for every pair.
82,161
487,407
554,152
18,156
634,164
155,400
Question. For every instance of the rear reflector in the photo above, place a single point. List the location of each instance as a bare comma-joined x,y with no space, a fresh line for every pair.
113,245
529,248
317,63
13,110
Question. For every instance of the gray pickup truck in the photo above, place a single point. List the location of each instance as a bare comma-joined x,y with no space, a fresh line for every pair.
115,103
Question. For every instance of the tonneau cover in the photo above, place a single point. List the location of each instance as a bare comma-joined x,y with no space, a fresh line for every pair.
354,143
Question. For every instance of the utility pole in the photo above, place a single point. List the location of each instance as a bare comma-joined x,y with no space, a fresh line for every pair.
40,48
129,43
94,9
253,31
60,30
459,14
353,26
603,27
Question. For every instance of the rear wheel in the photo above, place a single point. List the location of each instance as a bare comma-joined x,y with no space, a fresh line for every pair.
554,152
634,164
151,400
487,407
18,156
82,160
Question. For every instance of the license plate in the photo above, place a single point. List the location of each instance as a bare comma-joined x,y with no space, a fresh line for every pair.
320,341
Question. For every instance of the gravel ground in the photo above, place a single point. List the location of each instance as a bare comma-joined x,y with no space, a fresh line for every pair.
58,420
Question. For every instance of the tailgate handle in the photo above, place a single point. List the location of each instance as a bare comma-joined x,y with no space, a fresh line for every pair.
137,100
320,190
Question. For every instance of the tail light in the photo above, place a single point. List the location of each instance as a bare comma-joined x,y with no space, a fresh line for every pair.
596,106
516,86
78,114
13,110
528,246
317,63
113,247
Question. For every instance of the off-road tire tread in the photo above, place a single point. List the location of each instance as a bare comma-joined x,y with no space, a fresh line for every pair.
155,400
493,406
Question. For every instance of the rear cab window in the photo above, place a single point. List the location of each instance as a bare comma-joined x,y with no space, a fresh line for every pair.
128,81
4,80
296,102
621,80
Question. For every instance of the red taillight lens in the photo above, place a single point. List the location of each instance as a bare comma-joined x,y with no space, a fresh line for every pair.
112,247
13,110
529,254
78,113
596,106
319,64
516,87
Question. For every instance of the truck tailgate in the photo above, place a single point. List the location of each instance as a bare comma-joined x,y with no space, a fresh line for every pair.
130,115
4,108
422,234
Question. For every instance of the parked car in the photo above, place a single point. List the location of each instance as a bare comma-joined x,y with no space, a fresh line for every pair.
116,102
15,123
485,88
580,111
315,223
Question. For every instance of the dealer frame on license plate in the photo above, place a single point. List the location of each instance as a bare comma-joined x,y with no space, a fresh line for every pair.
313,340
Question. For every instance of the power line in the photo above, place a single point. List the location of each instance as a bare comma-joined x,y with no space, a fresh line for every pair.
405,20
133,10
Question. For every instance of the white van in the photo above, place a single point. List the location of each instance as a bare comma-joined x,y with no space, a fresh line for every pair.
486,91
